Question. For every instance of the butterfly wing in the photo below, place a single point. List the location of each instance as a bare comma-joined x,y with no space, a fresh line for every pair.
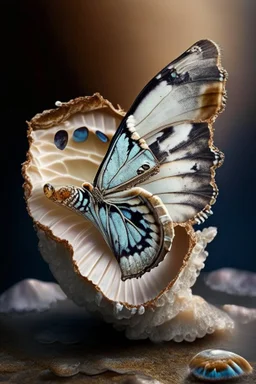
168,133
185,182
127,160
135,224
139,230
190,89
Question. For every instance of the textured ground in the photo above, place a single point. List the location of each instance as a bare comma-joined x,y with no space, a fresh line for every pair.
36,347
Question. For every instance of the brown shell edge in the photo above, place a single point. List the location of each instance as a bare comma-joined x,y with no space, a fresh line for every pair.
51,117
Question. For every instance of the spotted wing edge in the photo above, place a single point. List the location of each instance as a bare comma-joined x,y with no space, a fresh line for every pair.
201,216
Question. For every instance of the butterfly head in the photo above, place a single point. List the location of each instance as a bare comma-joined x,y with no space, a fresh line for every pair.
61,195
72,197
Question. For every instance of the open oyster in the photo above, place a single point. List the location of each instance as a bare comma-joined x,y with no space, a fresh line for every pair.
67,146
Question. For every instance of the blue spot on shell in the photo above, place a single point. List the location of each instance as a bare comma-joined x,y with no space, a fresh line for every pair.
102,136
217,365
61,139
80,134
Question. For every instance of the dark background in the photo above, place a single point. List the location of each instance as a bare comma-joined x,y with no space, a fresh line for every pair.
60,49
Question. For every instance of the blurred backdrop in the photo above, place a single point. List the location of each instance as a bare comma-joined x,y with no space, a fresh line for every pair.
61,49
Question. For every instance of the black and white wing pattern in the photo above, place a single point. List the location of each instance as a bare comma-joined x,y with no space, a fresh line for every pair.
185,182
165,142
138,229
135,224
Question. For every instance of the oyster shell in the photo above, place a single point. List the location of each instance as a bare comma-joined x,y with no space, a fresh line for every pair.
77,254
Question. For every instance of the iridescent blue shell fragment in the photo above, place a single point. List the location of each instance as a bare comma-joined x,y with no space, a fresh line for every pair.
61,139
102,136
80,134
217,365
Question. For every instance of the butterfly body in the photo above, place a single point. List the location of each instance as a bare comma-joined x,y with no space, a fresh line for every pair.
160,165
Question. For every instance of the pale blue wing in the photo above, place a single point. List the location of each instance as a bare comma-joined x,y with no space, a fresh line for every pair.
127,160
172,155
140,231
134,224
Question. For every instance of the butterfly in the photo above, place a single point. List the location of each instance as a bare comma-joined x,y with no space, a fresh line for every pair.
160,165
